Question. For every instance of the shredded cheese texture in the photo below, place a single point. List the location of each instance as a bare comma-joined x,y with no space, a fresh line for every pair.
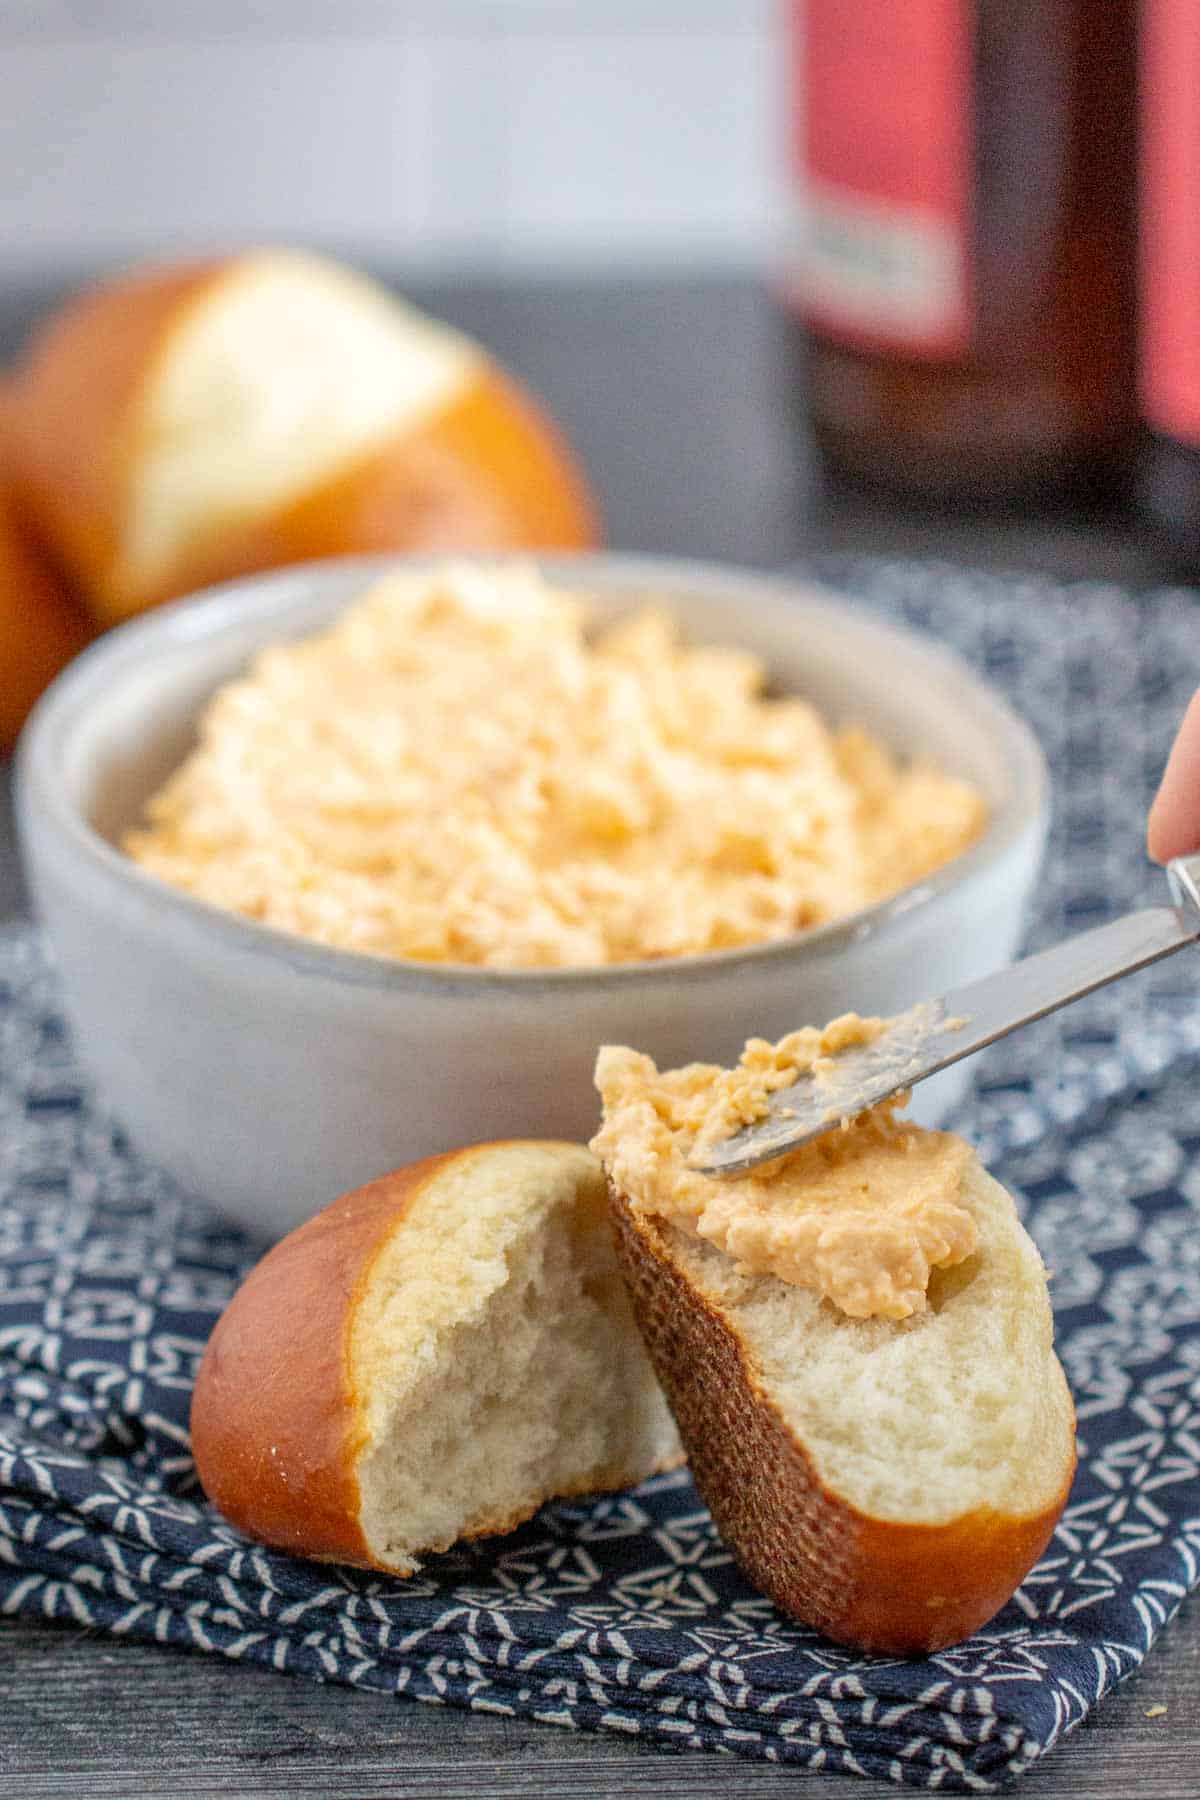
456,773
861,1215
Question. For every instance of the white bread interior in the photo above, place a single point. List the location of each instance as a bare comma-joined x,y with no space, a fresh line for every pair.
282,372
495,1350
921,1420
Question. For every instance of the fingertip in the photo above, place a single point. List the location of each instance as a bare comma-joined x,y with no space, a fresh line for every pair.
1158,838
1173,825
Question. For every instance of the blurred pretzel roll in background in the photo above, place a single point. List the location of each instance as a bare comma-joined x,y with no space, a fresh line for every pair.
41,626
185,424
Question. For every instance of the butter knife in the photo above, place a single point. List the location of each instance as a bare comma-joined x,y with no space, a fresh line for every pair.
934,1034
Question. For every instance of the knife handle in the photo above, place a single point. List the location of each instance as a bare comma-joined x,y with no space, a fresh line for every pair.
1183,876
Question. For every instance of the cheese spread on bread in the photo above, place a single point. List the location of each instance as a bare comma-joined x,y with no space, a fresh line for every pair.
861,1214
458,772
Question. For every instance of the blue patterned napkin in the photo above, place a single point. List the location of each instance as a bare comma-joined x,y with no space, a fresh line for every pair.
626,1613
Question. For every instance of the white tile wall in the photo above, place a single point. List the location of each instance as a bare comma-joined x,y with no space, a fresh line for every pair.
501,133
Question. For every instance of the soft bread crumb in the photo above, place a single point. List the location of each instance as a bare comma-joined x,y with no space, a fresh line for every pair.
923,1420
286,370
495,1353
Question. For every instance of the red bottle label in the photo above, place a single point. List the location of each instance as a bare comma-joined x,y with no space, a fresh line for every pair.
882,155
1170,217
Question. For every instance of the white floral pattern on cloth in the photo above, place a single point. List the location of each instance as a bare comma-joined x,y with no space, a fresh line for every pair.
626,1613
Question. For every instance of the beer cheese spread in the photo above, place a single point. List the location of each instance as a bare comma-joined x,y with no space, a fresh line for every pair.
459,771
861,1215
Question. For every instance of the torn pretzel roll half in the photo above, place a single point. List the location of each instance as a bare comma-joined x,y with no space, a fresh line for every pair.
857,1345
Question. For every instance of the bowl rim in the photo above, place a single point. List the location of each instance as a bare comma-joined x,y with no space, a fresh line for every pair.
214,611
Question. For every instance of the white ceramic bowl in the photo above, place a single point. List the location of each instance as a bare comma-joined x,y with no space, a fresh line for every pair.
270,1074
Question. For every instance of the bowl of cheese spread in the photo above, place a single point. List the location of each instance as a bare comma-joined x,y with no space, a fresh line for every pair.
360,861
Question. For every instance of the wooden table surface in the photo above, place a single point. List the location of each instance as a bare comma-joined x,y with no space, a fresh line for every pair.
681,396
